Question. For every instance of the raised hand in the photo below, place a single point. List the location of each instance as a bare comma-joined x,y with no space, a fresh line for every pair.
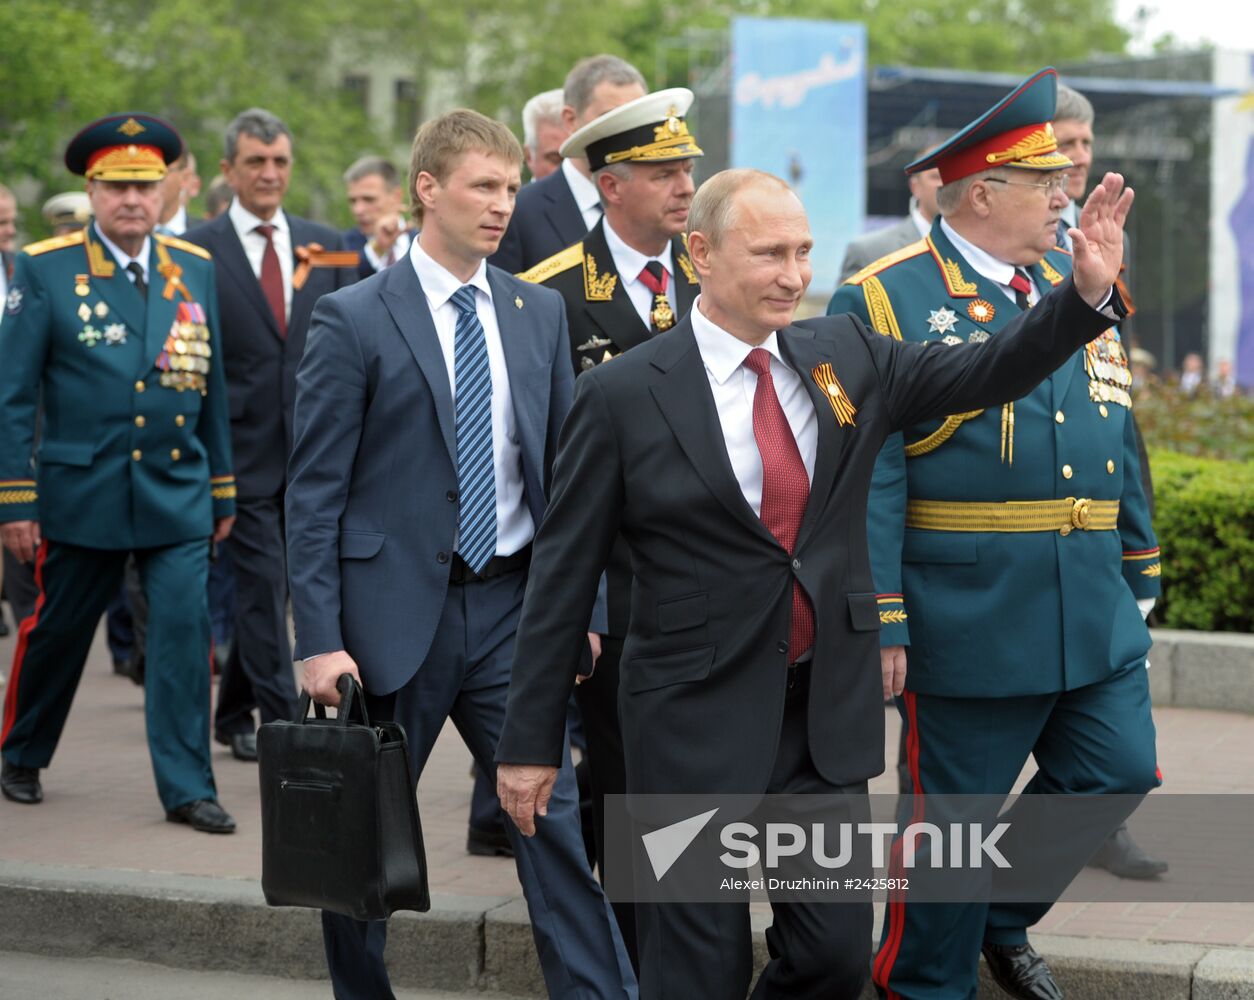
1098,242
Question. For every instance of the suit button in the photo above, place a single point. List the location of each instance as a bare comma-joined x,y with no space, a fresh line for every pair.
1110,466
441,557
1102,410
180,420
451,496
175,454
139,386
140,421
796,564
136,455
1066,472
1059,417
782,647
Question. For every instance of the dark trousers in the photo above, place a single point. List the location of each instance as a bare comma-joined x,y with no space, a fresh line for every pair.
1094,740
258,673
75,585
19,587
465,677
607,774
819,951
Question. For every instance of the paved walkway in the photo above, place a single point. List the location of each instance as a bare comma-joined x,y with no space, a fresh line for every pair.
101,811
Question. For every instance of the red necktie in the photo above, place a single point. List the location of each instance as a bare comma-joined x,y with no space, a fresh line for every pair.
785,488
655,278
1022,288
272,280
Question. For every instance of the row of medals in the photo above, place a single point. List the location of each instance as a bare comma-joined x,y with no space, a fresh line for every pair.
188,349
1107,368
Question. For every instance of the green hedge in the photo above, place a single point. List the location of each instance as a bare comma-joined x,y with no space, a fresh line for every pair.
1200,424
1204,518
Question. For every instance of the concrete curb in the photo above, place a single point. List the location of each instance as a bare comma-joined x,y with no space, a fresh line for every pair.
465,944
1202,670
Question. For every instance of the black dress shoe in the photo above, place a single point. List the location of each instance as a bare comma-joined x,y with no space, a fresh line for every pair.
1121,856
204,815
20,784
488,843
1021,972
244,747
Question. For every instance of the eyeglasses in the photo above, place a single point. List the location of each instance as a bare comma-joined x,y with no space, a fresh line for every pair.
1054,182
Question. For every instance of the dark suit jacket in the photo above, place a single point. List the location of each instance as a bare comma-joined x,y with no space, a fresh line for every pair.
372,502
870,247
261,365
600,329
546,219
704,663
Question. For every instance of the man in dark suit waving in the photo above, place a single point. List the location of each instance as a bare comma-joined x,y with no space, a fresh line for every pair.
429,402
733,454
271,269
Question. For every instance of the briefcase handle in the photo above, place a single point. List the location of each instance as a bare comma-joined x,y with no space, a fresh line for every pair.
352,701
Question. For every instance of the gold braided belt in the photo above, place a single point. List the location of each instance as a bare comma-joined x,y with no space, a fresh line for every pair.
1063,516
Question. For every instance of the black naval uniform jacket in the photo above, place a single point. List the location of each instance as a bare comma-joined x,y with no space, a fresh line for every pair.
603,323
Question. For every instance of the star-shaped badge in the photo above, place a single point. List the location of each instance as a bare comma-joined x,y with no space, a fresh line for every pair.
942,320
115,333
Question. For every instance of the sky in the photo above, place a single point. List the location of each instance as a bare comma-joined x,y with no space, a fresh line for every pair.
1228,24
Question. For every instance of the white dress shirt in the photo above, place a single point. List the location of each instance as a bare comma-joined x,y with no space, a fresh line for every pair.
254,243
399,249
1000,273
585,192
177,225
514,526
996,271
1070,216
733,386
125,260
630,262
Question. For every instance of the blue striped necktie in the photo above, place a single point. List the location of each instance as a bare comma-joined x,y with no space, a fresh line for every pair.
476,475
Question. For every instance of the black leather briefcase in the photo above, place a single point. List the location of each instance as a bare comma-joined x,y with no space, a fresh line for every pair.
339,821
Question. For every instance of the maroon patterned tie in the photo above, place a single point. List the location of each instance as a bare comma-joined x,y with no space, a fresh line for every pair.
272,280
785,488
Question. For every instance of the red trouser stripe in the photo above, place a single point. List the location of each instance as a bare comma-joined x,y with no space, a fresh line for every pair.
23,637
896,916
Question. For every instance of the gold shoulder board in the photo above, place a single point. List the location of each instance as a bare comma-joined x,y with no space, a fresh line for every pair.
55,243
905,253
564,260
178,244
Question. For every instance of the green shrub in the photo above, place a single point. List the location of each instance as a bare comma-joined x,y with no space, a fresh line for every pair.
1204,518
1195,425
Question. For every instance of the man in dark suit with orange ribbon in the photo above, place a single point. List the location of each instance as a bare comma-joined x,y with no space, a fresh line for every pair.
271,268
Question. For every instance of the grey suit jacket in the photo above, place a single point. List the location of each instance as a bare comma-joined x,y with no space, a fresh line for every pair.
371,498
871,247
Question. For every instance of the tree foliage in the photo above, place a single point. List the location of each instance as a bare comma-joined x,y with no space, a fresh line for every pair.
198,62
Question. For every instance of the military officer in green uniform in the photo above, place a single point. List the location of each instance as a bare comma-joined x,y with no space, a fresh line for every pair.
629,279
1010,546
112,333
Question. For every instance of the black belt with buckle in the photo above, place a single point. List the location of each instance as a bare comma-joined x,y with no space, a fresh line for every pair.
459,572
798,672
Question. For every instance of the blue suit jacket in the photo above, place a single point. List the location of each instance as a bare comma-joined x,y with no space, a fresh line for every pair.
371,500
